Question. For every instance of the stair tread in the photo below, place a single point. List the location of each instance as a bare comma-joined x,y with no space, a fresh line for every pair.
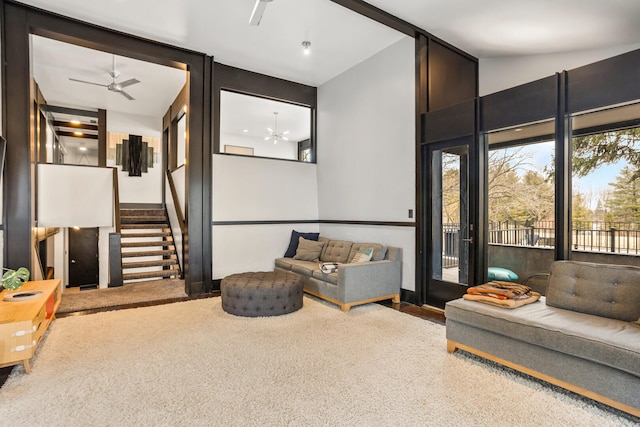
136,226
156,263
146,244
140,218
167,252
149,274
150,234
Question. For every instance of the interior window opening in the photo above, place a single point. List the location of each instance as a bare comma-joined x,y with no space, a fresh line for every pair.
255,126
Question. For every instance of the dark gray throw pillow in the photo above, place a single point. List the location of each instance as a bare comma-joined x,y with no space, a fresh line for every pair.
293,243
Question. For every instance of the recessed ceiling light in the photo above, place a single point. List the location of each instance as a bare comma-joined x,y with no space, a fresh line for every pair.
306,47
83,148
245,130
78,133
75,122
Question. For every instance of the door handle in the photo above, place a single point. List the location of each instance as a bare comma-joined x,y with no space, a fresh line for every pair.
73,261
470,240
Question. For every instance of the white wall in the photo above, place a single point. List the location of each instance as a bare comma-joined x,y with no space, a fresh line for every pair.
366,151
497,74
255,189
148,187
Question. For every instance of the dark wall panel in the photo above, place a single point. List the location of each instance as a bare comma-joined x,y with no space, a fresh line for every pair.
452,77
519,105
450,123
611,81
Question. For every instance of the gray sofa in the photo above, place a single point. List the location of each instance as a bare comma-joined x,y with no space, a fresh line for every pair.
353,284
583,336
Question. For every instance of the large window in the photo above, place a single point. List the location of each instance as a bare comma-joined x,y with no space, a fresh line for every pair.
606,181
520,187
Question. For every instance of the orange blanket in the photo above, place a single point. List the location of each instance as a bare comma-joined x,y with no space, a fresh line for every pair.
501,290
504,303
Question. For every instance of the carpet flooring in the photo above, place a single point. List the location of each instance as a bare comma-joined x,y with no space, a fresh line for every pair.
191,364
131,293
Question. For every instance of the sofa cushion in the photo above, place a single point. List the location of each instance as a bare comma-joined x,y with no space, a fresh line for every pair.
606,341
293,242
379,251
284,263
331,277
308,250
600,289
336,251
304,268
363,255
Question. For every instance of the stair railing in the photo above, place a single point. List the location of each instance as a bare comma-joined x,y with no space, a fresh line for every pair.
115,241
176,218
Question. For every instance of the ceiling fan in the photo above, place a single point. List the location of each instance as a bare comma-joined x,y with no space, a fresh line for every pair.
273,134
258,10
114,86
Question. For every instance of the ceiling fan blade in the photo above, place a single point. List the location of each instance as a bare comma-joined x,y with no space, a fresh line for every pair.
129,82
285,132
258,10
126,95
285,138
90,83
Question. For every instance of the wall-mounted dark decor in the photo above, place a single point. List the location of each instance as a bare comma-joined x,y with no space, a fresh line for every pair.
134,157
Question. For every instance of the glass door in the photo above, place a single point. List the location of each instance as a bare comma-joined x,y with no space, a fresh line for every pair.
450,233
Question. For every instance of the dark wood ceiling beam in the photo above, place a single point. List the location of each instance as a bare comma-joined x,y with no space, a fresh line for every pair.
65,124
72,111
73,135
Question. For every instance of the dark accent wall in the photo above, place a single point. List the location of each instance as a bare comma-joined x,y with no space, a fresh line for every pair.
452,77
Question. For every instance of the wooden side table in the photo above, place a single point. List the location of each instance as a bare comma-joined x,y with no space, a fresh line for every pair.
23,323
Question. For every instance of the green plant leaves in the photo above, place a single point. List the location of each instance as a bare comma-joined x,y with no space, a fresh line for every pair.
13,279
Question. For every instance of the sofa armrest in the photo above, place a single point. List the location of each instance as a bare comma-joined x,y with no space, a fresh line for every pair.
361,281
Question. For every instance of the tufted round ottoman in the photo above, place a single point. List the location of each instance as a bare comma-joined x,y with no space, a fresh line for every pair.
264,293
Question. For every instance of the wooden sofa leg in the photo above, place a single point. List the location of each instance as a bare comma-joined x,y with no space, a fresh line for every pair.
345,307
396,299
451,346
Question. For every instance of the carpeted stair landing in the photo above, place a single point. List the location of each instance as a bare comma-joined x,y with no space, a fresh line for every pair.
128,294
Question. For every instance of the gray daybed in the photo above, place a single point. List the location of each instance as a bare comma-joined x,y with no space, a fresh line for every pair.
353,283
583,336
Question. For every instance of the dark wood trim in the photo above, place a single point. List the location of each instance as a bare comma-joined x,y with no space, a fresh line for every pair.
600,84
72,111
316,221
519,105
365,9
73,135
102,138
116,200
66,124
252,83
411,297
18,184
375,223
176,203
562,171
422,107
206,175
